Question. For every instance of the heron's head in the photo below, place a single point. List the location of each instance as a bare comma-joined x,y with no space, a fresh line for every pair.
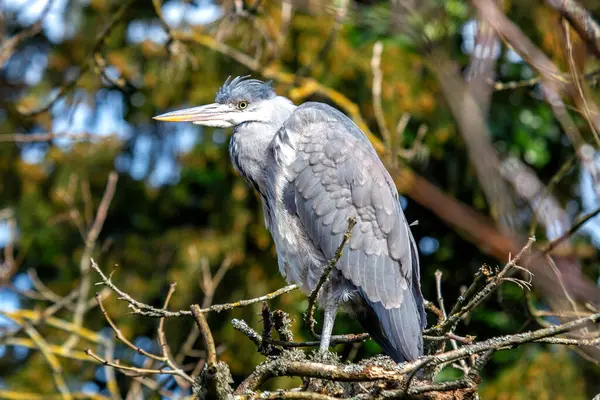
238,101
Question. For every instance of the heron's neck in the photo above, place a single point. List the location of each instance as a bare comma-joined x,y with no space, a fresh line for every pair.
249,146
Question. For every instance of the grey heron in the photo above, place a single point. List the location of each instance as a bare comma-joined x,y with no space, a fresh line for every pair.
314,169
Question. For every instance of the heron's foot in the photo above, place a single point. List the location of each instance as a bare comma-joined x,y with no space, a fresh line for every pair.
324,345
328,321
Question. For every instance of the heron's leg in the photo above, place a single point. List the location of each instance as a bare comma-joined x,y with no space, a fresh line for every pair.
330,311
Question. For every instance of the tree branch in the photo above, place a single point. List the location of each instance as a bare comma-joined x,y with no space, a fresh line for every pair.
140,308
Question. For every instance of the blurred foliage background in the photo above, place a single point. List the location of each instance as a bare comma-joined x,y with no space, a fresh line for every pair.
79,86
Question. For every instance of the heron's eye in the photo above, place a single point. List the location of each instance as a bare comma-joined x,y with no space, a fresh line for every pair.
242,104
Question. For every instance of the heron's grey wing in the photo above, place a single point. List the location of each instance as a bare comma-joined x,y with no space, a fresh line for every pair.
337,174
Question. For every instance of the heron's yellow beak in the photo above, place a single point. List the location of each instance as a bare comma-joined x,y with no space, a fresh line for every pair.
215,114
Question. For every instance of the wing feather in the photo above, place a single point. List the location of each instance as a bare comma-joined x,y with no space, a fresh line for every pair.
343,178
337,175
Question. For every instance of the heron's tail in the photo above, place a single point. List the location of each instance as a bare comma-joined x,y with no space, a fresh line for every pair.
397,330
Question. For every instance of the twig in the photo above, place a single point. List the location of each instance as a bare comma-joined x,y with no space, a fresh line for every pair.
480,277
40,318
481,295
432,307
210,377
257,339
209,285
578,224
499,86
20,316
244,303
267,333
243,327
546,195
553,80
560,314
90,243
111,379
9,267
209,344
282,323
140,308
476,133
57,350
162,339
122,337
127,368
150,384
309,316
438,286
44,290
57,372
576,79
8,46
11,394
88,202
285,394
164,345
481,70
581,19
183,379
44,137
99,67
450,336
376,93
395,140
570,342
417,146
135,389
559,278
335,339
438,289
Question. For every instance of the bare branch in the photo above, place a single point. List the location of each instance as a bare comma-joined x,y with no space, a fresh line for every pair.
122,337
282,324
578,224
57,372
376,92
581,19
44,137
90,243
111,379
243,327
481,295
164,345
480,277
579,96
553,80
9,46
141,371
140,308
9,266
209,344
438,289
